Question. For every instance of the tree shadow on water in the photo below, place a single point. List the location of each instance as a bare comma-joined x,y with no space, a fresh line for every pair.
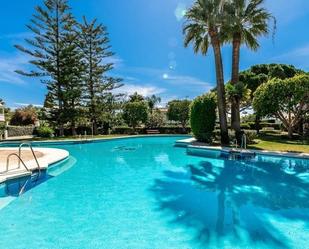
236,201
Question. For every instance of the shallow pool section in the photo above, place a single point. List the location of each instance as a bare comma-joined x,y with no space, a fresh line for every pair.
146,193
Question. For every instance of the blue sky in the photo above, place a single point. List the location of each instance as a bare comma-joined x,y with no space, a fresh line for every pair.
147,39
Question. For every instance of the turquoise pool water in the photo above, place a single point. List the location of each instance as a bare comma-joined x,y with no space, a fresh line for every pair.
146,193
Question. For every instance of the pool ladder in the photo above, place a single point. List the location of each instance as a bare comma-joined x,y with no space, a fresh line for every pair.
20,160
242,153
243,144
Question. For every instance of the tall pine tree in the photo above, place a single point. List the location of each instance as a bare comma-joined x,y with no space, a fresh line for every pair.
51,49
94,44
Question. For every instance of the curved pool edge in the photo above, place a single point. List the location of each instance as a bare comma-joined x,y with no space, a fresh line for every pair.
91,140
51,156
191,143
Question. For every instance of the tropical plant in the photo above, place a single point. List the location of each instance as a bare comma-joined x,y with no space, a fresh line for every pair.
287,100
95,49
246,20
153,100
135,113
203,117
204,21
178,110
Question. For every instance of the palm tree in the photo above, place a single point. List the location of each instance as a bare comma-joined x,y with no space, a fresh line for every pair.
202,29
153,100
246,21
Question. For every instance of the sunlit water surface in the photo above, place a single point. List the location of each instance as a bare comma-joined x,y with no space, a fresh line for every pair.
146,193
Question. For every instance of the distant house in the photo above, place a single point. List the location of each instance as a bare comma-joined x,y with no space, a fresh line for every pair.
2,117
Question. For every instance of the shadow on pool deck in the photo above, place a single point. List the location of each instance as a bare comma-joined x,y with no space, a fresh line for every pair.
239,202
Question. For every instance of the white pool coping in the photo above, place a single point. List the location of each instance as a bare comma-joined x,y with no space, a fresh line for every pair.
50,156
192,143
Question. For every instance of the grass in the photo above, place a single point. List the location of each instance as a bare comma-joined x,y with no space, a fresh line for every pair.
279,142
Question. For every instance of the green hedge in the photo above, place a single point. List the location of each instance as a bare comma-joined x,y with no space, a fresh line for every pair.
163,130
203,117
251,125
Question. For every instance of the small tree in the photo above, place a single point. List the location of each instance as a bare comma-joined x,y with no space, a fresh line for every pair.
135,113
287,100
156,119
203,117
178,110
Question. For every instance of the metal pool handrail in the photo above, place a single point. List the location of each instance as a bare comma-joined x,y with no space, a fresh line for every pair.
19,160
30,146
244,141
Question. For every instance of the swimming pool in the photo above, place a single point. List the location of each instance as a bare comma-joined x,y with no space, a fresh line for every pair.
146,193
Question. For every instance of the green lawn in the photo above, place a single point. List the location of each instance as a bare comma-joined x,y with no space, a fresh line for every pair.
269,141
277,142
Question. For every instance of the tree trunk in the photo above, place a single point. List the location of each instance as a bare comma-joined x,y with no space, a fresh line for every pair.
257,124
220,90
95,127
73,130
235,105
290,132
235,119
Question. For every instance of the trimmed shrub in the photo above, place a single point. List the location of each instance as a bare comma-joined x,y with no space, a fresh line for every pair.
163,130
203,117
45,131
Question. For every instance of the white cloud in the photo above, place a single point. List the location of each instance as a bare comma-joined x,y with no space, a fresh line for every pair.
298,57
8,65
116,60
27,104
185,80
144,90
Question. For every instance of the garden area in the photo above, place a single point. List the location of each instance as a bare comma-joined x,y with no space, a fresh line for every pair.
269,103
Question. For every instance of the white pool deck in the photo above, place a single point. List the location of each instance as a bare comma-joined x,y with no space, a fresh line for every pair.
192,143
50,156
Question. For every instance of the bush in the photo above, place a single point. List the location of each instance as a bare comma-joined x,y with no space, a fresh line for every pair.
203,117
24,116
251,136
45,131
156,119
